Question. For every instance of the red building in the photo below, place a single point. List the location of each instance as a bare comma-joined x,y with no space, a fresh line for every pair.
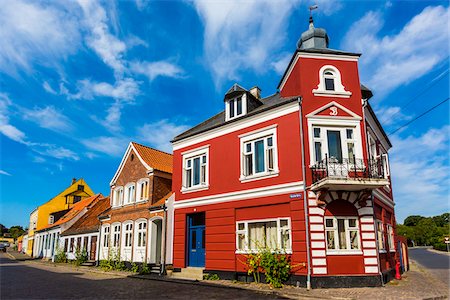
304,171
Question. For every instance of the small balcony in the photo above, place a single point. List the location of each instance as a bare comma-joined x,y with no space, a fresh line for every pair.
351,174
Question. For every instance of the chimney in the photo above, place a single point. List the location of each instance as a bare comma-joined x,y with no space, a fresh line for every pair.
74,180
256,92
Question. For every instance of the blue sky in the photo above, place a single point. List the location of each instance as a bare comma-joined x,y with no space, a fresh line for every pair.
80,79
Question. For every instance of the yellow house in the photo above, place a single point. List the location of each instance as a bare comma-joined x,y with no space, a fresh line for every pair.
53,209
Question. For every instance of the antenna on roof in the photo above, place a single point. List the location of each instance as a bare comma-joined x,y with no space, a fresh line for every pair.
311,8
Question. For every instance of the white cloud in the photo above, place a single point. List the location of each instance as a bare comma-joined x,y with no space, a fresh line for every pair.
49,88
114,146
57,152
6,128
125,89
48,117
401,58
160,134
32,32
4,173
387,114
241,35
157,68
420,169
39,159
281,63
107,46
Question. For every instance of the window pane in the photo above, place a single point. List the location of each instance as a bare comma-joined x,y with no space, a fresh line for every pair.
318,148
241,241
241,226
351,152
354,239
196,171
284,223
259,157
188,162
285,239
248,168
350,133
351,222
248,147
204,159
329,84
231,108
270,158
317,132
239,106
203,174
270,141
188,178
334,145
271,234
329,223
330,240
341,234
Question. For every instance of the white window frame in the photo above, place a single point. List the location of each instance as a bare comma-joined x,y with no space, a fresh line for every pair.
115,233
129,198
391,239
347,229
127,235
106,234
141,232
233,102
51,219
252,137
190,156
245,232
380,234
334,124
339,89
117,196
140,190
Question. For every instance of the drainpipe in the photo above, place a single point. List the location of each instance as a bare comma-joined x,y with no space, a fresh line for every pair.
308,255
163,265
98,246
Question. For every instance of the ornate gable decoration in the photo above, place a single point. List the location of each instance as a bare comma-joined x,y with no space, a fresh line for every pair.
333,110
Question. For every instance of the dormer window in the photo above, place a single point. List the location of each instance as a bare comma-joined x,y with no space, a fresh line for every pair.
51,219
236,107
330,83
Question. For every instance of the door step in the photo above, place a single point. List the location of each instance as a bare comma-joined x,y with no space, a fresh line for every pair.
189,273
88,263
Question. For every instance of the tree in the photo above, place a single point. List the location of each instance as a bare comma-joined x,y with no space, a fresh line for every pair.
412,220
16,231
441,220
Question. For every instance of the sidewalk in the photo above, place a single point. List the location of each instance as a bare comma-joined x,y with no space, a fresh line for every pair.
417,283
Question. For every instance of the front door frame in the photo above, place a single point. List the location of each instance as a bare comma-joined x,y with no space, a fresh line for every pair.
200,245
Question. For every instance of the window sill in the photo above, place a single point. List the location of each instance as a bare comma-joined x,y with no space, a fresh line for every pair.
194,189
259,176
381,251
325,93
345,252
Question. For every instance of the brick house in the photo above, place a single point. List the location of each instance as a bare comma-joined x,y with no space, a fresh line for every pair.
134,226
304,171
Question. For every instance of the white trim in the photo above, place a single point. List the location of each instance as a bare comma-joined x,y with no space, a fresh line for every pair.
383,198
320,270
238,125
345,252
124,159
347,229
318,253
371,269
193,152
190,155
333,103
319,262
314,56
241,195
339,89
258,131
370,252
244,107
370,261
138,191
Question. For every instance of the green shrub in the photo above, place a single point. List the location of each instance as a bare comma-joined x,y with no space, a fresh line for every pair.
211,277
80,257
134,268
145,269
60,255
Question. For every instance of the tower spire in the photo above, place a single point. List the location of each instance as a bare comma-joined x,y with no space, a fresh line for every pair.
311,22
313,38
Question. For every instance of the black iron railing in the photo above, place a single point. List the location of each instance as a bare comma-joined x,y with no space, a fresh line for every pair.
347,168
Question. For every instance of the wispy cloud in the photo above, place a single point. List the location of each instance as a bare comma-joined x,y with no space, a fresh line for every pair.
48,117
391,115
54,151
421,162
32,32
124,89
4,173
107,46
6,128
401,58
157,68
280,64
242,35
113,146
49,88
160,134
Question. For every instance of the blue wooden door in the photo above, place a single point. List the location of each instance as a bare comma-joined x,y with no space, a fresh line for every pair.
196,241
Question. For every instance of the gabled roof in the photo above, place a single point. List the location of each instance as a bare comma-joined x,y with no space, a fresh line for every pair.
218,120
73,212
235,89
89,221
151,159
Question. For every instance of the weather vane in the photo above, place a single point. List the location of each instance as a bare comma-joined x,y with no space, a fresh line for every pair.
311,8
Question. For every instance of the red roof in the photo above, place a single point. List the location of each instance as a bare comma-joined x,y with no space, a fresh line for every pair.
156,159
74,211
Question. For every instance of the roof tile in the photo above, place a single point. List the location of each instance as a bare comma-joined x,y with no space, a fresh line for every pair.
156,159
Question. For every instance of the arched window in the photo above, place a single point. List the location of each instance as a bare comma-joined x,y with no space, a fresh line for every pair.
118,196
330,83
129,193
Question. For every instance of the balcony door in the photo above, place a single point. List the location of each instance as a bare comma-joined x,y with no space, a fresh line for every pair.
334,146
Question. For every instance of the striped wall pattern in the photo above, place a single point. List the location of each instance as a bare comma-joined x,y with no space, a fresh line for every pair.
317,231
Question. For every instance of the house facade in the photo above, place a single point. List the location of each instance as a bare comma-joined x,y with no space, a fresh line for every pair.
133,227
48,239
46,214
85,232
304,171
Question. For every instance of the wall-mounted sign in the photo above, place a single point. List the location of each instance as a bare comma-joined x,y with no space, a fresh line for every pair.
296,196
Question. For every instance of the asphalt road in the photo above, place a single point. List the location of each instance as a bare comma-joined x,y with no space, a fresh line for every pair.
28,280
438,264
